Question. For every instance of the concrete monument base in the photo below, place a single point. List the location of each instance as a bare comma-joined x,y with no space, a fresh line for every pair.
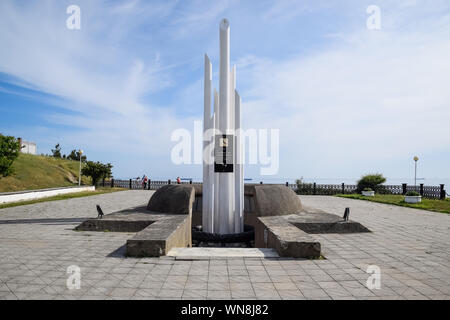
280,222
163,224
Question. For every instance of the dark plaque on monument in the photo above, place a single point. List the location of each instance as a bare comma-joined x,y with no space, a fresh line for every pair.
223,153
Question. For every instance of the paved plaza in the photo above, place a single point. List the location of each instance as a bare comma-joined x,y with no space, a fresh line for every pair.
38,244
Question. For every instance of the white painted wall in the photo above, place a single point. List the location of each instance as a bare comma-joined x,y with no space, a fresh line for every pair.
28,147
38,194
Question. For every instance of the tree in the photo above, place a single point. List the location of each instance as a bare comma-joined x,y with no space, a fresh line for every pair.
75,155
57,151
97,171
9,151
372,181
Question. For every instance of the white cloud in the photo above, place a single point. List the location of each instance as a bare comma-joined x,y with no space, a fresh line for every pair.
372,97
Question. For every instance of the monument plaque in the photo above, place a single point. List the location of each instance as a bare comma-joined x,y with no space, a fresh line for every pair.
223,153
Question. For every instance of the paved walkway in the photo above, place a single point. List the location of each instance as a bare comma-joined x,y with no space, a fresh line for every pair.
37,245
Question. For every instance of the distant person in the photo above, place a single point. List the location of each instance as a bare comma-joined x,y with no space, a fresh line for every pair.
178,180
144,182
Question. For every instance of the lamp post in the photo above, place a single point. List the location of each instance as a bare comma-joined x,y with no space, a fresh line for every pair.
416,158
80,152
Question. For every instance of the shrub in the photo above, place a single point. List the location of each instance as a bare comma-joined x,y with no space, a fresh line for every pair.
368,189
412,194
9,151
56,153
75,155
372,181
97,171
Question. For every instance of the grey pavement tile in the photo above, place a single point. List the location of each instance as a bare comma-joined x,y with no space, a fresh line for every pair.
199,278
321,278
217,279
267,294
87,297
254,279
253,262
337,292
285,286
34,258
243,293
281,278
194,294
219,295
307,285
196,286
314,293
344,298
169,293
218,286
146,293
302,278
98,291
241,286
239,279
329,284
122,292
257,286
174,285
291,295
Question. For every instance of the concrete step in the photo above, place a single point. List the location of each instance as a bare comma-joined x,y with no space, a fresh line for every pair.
207,253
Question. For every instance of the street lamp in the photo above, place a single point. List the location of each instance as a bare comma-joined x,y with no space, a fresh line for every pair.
416,158
80,152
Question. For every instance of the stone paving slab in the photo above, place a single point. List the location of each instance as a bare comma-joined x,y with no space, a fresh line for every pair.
38,244
213,253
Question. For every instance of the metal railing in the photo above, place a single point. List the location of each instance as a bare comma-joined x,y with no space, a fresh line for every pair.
432,192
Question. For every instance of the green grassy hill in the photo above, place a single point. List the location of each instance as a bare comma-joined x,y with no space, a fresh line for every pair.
38,172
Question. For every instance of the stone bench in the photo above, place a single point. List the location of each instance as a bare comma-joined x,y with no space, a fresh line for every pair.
161,236
289,241
161,225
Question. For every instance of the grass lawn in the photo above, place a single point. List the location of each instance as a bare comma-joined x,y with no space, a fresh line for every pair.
63,197
38,172
398,200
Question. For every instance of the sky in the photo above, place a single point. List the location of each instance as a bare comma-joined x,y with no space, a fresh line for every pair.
347,100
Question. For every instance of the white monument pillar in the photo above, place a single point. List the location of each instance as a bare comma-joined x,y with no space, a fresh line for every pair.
226,214
223,179
207,198
238,168
216,174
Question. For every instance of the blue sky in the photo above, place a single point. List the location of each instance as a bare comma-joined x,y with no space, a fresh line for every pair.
347,100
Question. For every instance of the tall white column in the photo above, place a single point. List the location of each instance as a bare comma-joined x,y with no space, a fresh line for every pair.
207,190
223,192
226,215
232,127
216,174
239,168
212,185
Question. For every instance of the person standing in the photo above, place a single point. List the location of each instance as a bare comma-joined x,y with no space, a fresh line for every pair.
178,180
144,183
